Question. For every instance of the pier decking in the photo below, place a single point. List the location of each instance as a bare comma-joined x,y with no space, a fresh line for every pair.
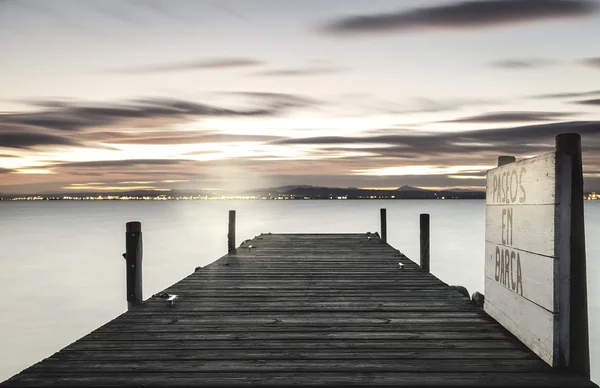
306,309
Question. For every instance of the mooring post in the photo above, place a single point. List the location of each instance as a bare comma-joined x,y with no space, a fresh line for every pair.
231,233
133,258
424,227
383,225
504,159
579,353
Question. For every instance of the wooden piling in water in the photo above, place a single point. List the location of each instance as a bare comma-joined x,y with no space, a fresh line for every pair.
424,234
383,217
231,232
133,259
579,351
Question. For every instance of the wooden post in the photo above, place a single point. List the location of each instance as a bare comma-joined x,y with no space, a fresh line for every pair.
579,353
424,227
231,233
502,160
133,258
383,225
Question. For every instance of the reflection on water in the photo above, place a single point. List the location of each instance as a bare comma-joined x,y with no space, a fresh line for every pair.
62,273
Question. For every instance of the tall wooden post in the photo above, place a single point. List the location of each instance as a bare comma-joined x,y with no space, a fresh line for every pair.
382,214
579,353
133,258
231,233
424,228
502,160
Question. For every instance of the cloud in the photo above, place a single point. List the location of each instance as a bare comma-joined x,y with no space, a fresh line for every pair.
300,71
276,100
428,105
462,15
31,139
533,63
595,102
510,117
568,95
6,171
121,163
456,146
175,137
78,117
593,62
207,64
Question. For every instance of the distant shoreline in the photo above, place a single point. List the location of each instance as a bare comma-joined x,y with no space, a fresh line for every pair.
302,192
227,199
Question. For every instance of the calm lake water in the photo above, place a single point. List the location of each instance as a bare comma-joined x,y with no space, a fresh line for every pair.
62,274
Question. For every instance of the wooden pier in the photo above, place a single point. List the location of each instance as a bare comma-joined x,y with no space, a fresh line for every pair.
302,309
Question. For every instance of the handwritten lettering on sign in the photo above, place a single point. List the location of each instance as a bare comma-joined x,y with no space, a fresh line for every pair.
508,188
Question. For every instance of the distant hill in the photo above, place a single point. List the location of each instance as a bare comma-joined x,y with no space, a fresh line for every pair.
409,188
403,192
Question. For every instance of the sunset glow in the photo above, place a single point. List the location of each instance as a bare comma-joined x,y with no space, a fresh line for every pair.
184,95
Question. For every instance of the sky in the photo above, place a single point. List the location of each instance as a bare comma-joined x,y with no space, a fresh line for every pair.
223,94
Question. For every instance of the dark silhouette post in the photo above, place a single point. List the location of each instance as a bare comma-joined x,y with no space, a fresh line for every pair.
579,354
133,258
383,225
502,160
424,228
231,233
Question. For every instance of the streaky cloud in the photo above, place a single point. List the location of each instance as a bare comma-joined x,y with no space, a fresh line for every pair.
462,15
276,100
516,64
121,163
595,102
567,95
529,139
300,71
510,117
207,64
32,139
75,116
174,137
592,62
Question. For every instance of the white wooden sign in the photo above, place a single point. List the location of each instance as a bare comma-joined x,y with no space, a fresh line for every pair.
527,252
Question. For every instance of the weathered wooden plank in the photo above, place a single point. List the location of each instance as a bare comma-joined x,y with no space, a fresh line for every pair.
529,228
307,329
265,299
529,275
298,335
358,365
199,346
292,354
298,293
323,307
483,379
528,182
533,324
308,319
